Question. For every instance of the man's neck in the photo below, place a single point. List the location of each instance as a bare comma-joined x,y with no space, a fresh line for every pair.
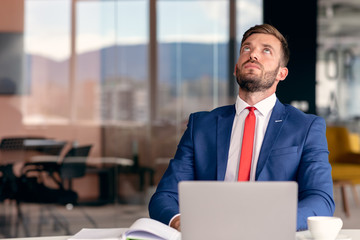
253,98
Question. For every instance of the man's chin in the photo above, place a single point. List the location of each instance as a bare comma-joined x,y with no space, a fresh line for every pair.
251,78
251,75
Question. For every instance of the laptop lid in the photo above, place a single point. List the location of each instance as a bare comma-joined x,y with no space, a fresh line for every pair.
238,210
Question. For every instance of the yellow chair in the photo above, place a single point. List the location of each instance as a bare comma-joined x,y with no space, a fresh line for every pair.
355,142
344,158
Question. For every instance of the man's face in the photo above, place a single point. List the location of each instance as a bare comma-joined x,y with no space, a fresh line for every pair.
258,66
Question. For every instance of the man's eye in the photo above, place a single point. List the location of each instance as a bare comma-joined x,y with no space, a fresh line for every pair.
266,50
246,49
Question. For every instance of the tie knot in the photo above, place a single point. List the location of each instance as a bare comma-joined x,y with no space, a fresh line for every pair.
251,109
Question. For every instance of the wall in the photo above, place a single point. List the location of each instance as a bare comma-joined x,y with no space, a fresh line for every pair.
11,46
297,20
12,16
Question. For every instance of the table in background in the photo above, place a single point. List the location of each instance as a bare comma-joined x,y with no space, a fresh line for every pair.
107,169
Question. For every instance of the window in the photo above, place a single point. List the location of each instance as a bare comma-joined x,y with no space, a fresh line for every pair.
47,50
192,50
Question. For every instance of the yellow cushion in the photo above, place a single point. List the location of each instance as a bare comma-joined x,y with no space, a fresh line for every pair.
346,172
338,142
355,142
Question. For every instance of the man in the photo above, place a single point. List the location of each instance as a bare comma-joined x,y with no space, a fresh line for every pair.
288,145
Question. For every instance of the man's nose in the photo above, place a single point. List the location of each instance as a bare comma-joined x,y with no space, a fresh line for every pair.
254,55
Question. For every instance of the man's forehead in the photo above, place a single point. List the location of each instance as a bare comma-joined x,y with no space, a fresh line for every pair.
263,39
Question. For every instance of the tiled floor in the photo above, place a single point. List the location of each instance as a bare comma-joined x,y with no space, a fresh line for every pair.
119,215
103,216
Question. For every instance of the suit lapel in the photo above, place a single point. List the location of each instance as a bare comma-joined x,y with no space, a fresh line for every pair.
224,127
276,122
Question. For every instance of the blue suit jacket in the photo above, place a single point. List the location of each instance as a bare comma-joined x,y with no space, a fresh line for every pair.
294,149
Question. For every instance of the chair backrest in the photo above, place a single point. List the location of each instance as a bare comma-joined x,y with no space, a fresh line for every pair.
355,142
8,183
15,149
9,144
74,162
15,143
338,138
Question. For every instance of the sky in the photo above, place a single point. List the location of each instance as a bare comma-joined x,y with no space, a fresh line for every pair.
102,23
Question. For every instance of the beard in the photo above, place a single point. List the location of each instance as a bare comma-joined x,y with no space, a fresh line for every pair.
256,83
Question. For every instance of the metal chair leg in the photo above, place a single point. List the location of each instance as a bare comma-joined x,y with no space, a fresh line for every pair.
20,220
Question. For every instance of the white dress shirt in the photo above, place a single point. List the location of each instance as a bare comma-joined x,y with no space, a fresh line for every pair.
263,112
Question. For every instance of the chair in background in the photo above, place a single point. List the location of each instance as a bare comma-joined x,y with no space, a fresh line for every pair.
14,152
13,149
73,165
344,158
15,143
8,192
136,168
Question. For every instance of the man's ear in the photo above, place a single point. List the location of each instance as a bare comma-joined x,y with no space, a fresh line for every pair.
235,69
282,74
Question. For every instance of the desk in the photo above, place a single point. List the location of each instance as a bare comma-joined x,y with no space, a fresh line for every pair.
38,143
44,146
39,238
353,233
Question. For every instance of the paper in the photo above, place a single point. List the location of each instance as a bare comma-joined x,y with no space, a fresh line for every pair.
141,229
99,234
149,229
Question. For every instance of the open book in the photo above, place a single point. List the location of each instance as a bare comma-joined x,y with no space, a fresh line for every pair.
141,229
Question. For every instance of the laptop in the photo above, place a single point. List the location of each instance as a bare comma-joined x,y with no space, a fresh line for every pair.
214,210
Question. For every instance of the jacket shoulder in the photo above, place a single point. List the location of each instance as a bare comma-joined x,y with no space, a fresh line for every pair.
300,116
224,110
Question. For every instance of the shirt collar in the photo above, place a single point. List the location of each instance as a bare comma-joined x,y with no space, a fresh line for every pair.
264,106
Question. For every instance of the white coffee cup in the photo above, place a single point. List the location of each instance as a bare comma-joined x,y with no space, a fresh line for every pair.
324,228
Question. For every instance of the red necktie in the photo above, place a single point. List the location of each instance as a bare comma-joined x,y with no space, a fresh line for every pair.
247,146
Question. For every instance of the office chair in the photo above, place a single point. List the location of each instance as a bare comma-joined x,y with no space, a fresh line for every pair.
73,165
9,190
344,158
13,151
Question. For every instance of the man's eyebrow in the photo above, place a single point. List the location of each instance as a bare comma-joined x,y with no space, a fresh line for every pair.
264,45
269,46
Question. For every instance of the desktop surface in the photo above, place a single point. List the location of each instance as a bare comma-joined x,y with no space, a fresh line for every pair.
353,234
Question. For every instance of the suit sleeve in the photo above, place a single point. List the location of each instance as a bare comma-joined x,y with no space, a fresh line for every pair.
314,176
164,204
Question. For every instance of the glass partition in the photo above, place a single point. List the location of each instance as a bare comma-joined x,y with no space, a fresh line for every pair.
87,81
192,60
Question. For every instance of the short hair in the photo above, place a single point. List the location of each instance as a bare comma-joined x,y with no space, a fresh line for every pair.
269,29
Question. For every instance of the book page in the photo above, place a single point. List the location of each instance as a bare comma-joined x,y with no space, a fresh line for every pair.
99,234
146,228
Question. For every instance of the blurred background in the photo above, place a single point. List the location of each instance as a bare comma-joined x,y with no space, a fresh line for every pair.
122,76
